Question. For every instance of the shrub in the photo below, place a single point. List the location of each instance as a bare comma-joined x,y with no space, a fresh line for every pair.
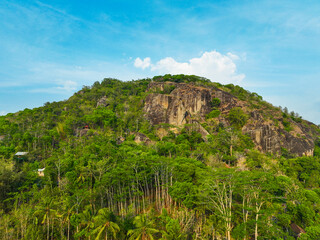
213,114
287,125
237,117
215,102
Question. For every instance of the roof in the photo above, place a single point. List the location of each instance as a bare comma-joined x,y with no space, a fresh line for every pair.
21,153
296,229
41,169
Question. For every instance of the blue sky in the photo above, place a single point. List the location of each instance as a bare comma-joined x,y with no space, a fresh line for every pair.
50,49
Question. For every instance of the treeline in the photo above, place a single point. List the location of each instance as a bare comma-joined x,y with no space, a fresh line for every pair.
99,183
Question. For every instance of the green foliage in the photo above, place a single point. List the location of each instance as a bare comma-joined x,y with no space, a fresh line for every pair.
316,151
102,117
173,231
181,78
215,103
304,169
312,233
213,114
287,125
237,117
168,89
238,91
143,230
98,183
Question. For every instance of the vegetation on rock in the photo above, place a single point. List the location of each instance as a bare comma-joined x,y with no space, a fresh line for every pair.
206,178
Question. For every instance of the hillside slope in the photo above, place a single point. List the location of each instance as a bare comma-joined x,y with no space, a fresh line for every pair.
173,157
271,130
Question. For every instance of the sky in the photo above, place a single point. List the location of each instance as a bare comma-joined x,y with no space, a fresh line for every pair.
51,49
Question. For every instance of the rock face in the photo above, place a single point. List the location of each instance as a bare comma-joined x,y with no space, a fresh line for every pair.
181,103
141,138
273,139
103,102
184,102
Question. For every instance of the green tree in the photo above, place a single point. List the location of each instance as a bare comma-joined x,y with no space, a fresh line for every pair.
105,222
237,117
144,229
173,231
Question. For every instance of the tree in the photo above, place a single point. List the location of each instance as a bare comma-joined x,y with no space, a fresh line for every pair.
219,198
105,222
237,117
87,222
144,229
173,231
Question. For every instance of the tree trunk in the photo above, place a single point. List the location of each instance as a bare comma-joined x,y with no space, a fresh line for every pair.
68,230
48,228
61,228
256,228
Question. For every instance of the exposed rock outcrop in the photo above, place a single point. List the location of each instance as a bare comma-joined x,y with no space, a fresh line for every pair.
184,102
103,102
141,138
181,103
272,139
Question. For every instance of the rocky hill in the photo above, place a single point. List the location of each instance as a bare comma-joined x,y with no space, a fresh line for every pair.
172,157
271,130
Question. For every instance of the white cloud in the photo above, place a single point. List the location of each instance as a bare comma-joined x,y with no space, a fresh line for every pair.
233,56
68,86
212,65
142,64
64,87
2,113
53,78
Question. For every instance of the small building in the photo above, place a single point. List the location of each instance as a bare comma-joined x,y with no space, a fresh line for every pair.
41,172
21,154
296,229
2,137
86,127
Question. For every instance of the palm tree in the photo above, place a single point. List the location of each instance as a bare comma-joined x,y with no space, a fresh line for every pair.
173,231
144,230
46,210
86,221
68,214
104,224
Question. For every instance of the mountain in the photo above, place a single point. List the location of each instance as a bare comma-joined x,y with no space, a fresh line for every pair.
172,157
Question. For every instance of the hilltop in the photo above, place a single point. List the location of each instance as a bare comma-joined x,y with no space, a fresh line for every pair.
179,155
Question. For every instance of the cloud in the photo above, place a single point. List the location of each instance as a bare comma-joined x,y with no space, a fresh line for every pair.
53,78
64,87
2,113
62,79
212,65
68,86
142,63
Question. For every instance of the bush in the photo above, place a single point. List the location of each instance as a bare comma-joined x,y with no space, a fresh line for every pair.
215,103
168,89
213,114
237,117
287,125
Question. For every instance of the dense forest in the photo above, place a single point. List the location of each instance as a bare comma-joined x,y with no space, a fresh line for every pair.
95,167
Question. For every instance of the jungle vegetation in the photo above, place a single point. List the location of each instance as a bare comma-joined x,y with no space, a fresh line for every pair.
99,183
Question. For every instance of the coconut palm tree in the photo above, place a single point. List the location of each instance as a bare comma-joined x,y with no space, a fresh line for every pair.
46,210
86,218
144,230
173,231
104,222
